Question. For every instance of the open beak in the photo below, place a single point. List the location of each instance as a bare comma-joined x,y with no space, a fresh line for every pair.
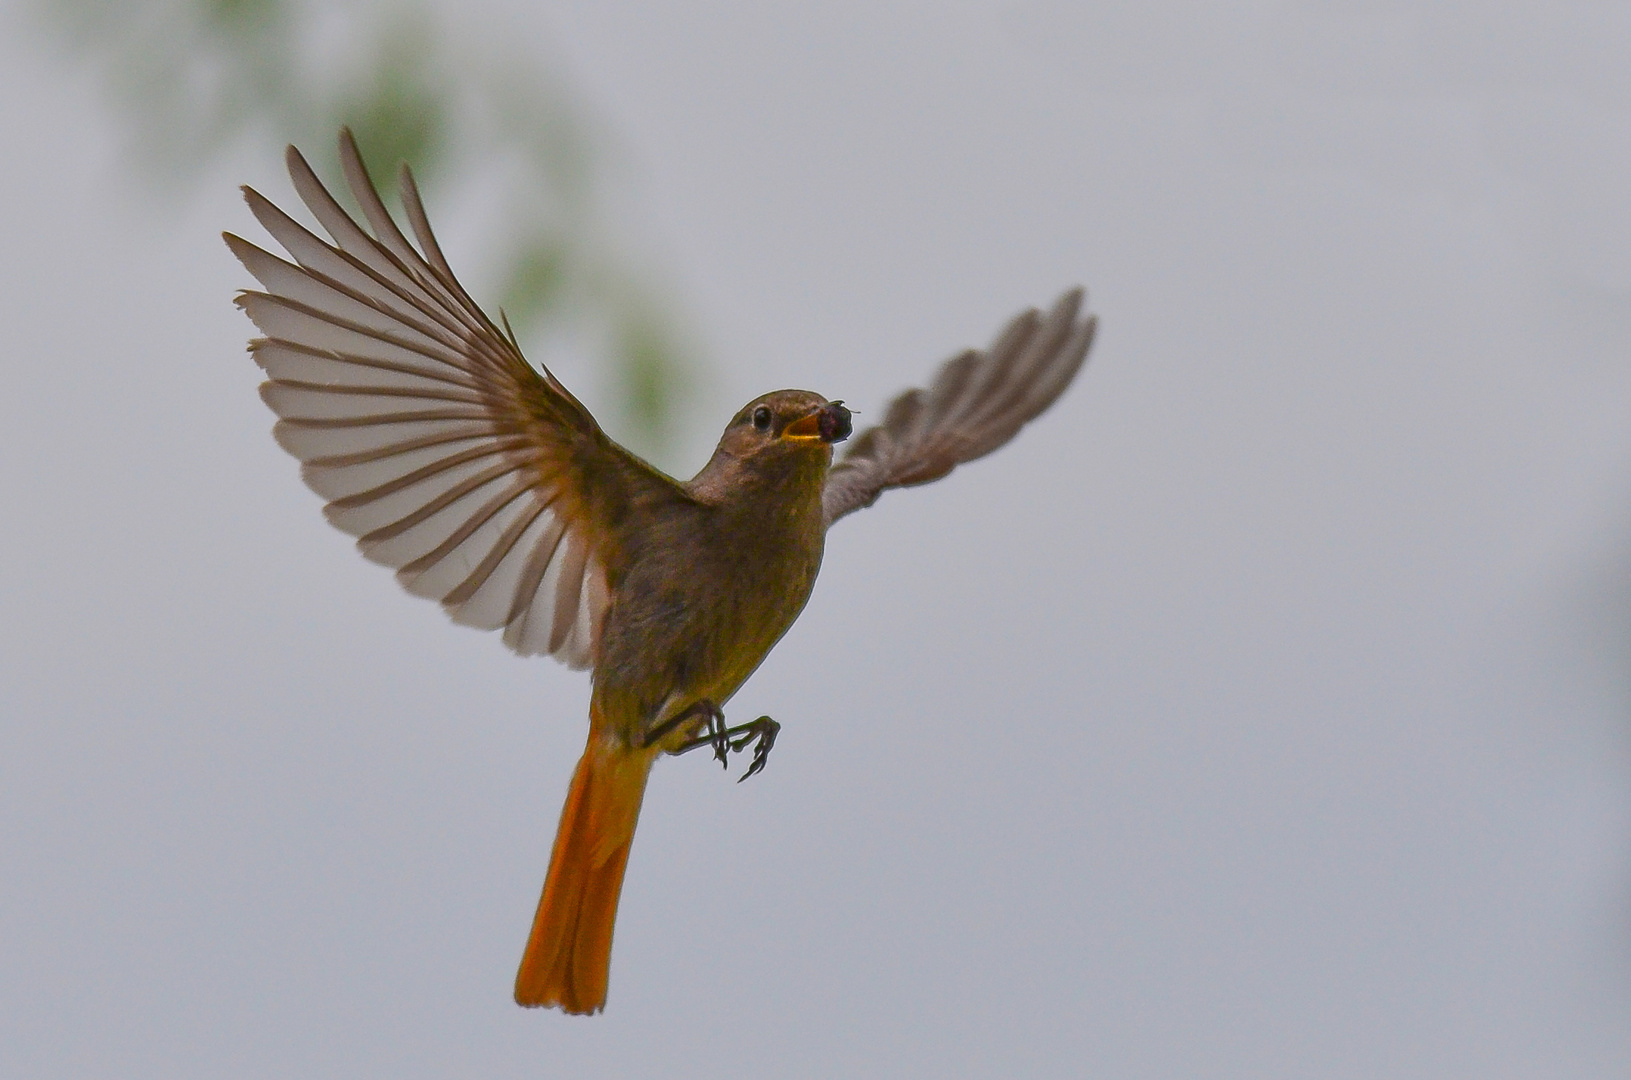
828,424
805,429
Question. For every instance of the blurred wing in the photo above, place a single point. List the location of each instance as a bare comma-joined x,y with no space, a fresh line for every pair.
978,401
435,443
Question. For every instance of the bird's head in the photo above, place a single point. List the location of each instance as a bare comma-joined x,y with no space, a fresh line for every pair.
785,425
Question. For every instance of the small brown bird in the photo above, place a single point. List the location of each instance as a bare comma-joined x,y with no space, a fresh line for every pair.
489,487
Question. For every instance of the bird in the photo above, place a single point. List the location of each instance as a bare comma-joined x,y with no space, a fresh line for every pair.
488,487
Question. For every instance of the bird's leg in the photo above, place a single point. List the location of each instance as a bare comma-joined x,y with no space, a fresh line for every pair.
715,733
764,730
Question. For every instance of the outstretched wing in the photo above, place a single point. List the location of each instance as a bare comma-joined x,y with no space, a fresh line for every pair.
978,401
482,481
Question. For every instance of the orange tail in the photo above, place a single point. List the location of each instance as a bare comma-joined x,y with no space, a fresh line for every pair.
569,954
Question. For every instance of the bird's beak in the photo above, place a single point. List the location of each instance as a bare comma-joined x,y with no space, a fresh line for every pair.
828,424
804,429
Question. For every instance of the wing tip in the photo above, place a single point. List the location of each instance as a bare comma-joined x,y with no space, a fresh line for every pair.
1049,365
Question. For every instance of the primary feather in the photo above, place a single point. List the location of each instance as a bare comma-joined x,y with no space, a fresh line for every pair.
978,401
436,444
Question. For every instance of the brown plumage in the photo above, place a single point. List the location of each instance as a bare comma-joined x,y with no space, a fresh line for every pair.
488,487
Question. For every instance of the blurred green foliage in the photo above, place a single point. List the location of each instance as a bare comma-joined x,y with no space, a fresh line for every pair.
194,79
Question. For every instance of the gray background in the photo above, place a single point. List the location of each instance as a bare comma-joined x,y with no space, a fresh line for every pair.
1260,713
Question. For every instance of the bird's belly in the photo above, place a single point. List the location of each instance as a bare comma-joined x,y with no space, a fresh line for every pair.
667,646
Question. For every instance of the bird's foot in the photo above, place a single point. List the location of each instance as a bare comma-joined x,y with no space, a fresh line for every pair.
765,731
714,731
761,732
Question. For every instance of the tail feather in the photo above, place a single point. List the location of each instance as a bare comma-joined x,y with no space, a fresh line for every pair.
569,954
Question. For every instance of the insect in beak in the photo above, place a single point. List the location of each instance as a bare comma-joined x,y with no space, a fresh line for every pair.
828,424
835,422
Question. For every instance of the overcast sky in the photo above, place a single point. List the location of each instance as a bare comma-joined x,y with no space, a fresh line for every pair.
1261,712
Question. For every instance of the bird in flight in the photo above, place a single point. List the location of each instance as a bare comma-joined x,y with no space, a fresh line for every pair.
488,487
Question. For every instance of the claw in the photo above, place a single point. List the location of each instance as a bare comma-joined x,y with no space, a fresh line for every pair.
726,741
767,730
720,739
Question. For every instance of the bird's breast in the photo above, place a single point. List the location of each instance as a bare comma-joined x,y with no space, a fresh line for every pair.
699,608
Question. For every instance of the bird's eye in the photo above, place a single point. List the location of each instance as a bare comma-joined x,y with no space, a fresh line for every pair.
761,418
